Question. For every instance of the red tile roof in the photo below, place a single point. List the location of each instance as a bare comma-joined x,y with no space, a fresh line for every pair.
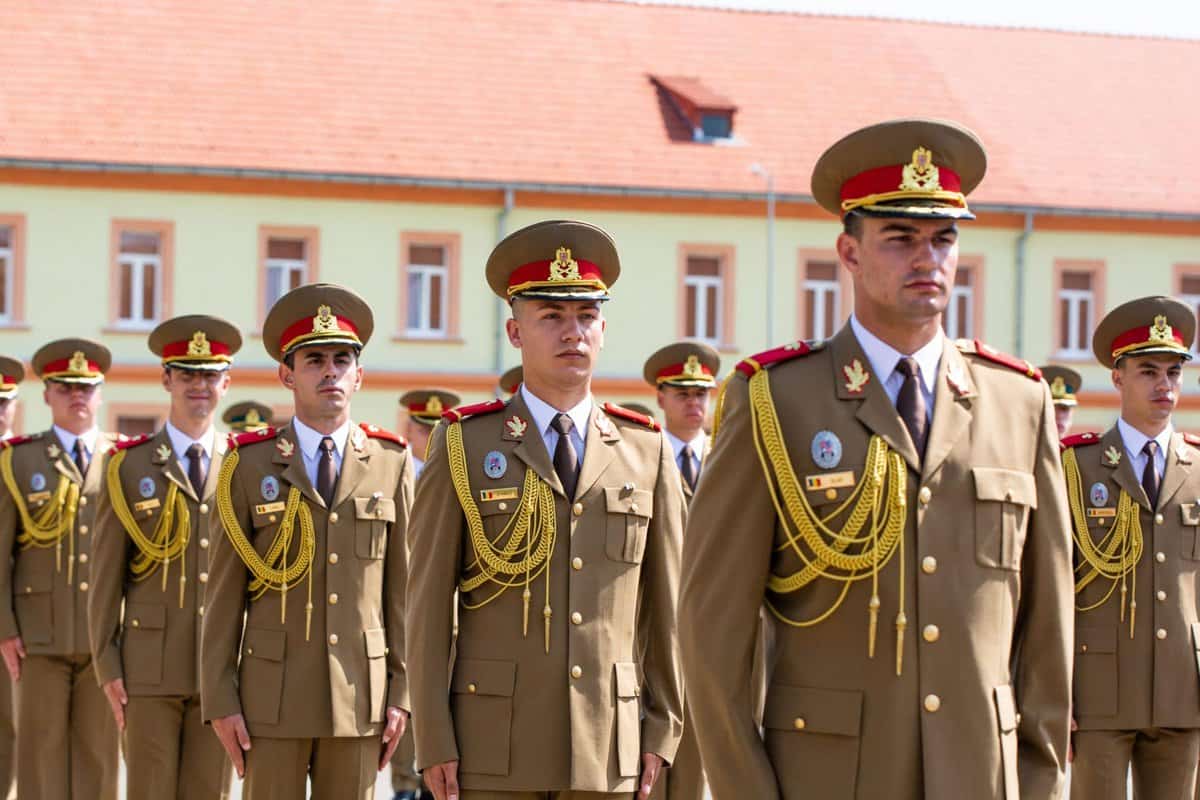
558,91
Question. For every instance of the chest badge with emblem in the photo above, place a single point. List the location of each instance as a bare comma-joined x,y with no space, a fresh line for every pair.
285,447
146,487
1098,494
162,454
269,487
826,449
495,464
1112,457
37,482
856,377
516,426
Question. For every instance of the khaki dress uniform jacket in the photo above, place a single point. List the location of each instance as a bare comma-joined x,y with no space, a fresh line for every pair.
980,707
576,712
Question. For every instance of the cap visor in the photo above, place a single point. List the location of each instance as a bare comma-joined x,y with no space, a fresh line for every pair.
550,294
916,211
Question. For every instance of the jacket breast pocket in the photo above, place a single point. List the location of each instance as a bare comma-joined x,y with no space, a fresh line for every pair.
375,641
261,678
628,514
33,603
481,696
372,515
1004,499
145,635
1096,676
629,719
1190,522
812,738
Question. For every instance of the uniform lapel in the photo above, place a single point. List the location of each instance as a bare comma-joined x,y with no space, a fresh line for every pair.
1122,467
170,465
597,450
288,456
95,470
1179,466
354,465
952,393
530,447
875,410
220,445
62,460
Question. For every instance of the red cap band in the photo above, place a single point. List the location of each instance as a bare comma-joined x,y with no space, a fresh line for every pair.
303,329
675,371
883,180
64,365
180,349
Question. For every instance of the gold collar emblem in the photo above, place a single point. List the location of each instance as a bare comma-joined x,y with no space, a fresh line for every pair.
285,447
433,405
162,453
516,426
920,174
78,362
325,321
54,451
957,380
1112,457
1161,332
691,368
856,377
563,267
199,345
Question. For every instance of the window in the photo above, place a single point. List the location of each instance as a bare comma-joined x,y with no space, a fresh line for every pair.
822,300
136,424
141,274
716,125
959,319
135,419
1187,287
8,268
702,299
287,260
1076,313
428,286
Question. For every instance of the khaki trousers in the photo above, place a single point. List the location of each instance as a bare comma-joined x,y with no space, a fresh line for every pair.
171,754
404,767
1164,762
340,769
66,735
566,794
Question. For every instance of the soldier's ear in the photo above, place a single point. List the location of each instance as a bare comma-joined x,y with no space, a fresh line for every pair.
513,329
847,250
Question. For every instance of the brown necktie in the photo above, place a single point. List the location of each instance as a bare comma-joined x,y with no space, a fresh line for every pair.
195,456
1150,474
82,458
326,472
566,462
911,403
686,468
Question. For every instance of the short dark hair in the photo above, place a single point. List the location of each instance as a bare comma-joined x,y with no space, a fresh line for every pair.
852,224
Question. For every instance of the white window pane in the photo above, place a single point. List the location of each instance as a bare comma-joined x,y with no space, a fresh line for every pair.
416,300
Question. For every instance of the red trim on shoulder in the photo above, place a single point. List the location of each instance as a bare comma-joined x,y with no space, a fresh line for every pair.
13,441
776,355
1005,360
250,437
473,410
1079,440
376,432
633,416
125,444
1192,439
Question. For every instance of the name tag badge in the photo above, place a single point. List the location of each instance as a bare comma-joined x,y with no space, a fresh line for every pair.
498,494
829,480
37,497
146,505
270,508
1101,513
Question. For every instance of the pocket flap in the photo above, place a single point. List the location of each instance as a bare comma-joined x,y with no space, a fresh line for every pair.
380,508
376,641
619,500
33,581
1005,486
263,643
834,711
1006,708
145,616
482,676
1196,635
1095,640
626,680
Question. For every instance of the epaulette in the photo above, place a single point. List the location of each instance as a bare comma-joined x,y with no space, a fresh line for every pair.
976,347
632,416
13,441
1080,439
778,355
1192,439
473,410
376,432
250,437
134,441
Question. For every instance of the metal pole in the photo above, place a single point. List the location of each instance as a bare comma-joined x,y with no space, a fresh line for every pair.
501,308
770,260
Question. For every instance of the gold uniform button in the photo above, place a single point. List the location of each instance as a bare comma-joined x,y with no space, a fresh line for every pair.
929,565
576,618
925,495
28,590
472,688
830,494
503,506
1158,519
333,558
1161,595
83,501
576,671
83,587
83,529
135,622
204,543
1160,556
798,723
577,563
932,703
333,598
200,611
931,633
83,558
333,517
577,509
1161,633
204,577
333,638
204,508
633,507
249,651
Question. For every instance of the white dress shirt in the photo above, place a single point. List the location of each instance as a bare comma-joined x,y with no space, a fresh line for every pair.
1134,440
884,359
696,444
309,442
181,442
68,441
543,414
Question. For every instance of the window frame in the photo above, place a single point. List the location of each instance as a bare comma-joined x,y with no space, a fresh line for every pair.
975,263
158,411
451,244
726,274
805,257
14,316
1178,273
311,236
165,230
1096,267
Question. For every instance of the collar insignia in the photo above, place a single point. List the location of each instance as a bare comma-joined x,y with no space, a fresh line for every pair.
285,447
856,377
1112,457
516,426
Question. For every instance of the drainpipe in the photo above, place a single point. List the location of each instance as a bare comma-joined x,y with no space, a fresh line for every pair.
501,307
1019,314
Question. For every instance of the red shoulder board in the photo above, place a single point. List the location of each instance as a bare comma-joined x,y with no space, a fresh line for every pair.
1080,439
1003,359
633,416
250,437
125,444
13,441
1192,439
778,355
376,432
474,410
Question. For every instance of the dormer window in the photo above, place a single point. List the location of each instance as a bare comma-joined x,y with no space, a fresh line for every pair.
707,114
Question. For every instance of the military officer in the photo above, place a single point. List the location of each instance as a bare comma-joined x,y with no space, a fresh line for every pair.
510,381
1064,385
248,416
12,372
303,638
894,499
1135,516
425,408
65,733
558,520
152,559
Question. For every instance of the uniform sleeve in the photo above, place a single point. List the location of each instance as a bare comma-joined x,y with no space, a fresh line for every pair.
221,633
436,536
1045,626
108,580
726,557
662,723
395,582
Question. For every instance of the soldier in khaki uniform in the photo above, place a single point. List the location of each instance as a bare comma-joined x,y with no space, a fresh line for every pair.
1135,514
65,734
558,521
510,381
12,372
152,560
1064,385
247,416
303,641
894,499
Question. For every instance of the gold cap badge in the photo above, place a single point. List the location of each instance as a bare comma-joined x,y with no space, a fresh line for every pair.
78,362
920,174
563,267
199,345
325,321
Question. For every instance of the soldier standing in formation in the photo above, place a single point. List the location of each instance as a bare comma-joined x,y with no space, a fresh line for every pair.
12,372
303,640
152,558
559,522
895,500
247,416
47,520
1136,520
1064,384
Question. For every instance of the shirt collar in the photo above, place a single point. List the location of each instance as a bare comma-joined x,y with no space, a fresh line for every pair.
696,444
1134,440
310,440
180,441
543,413
884,357
68,439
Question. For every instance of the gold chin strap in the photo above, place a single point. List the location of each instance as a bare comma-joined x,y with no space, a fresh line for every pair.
1113,558
528,538
53,523
871,533
272,572
169,539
